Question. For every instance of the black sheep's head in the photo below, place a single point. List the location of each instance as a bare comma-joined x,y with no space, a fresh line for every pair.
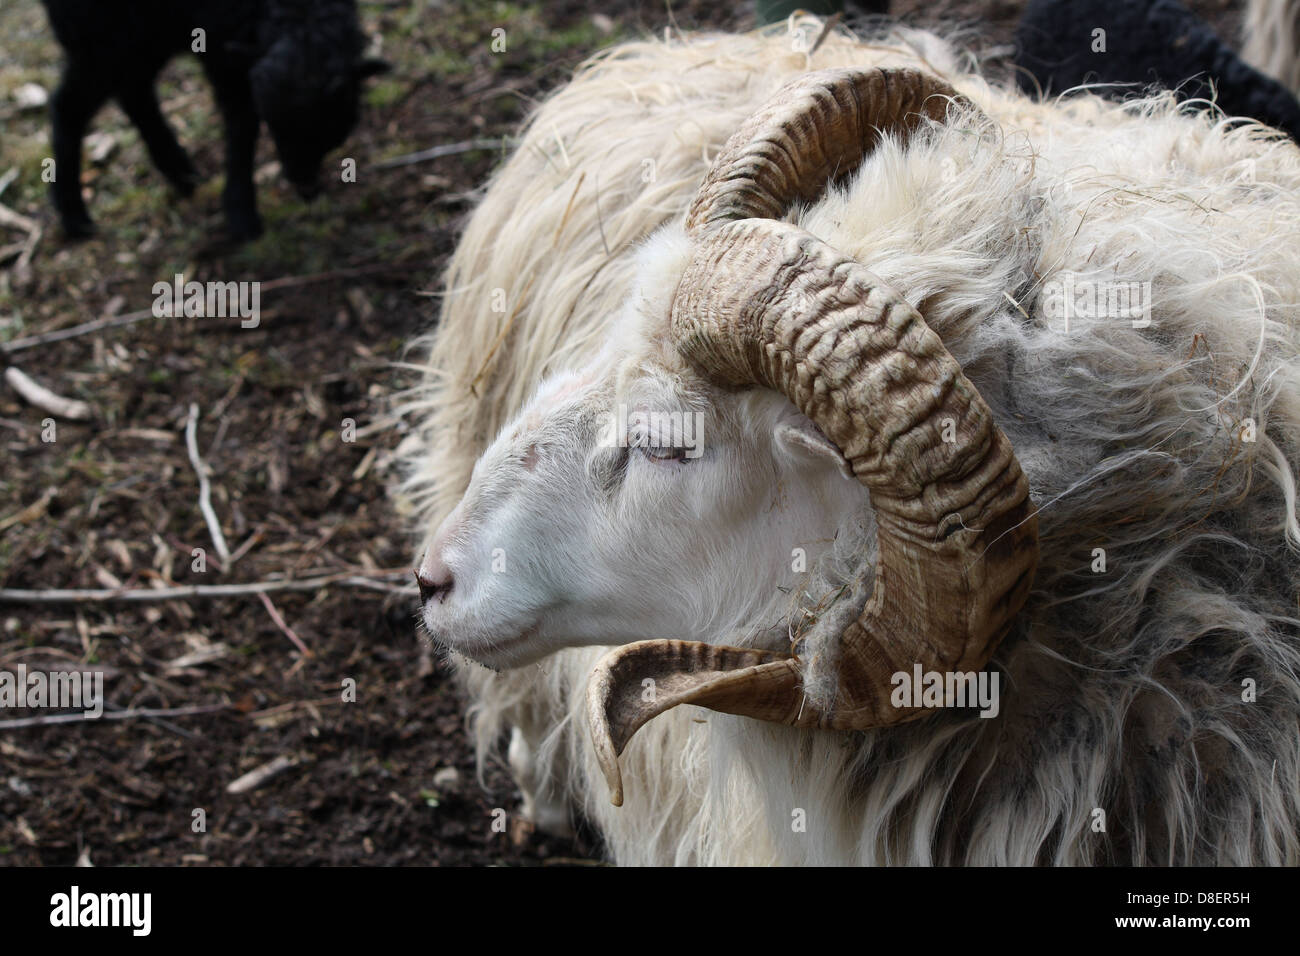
310,103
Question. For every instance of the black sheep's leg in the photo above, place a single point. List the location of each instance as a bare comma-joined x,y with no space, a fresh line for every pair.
240,197
235,98
140,103
77,100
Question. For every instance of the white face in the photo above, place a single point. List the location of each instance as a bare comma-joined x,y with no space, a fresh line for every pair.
592,521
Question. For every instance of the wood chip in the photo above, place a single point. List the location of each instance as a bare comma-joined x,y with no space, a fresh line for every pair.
106,578
260,775
194,658
147,434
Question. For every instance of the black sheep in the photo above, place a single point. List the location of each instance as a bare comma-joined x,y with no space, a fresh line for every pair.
297,64
1147,42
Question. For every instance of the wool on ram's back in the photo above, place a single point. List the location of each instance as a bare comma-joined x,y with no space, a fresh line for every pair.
1168,451
1271,39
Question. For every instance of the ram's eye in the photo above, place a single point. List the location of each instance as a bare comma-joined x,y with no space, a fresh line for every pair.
659,453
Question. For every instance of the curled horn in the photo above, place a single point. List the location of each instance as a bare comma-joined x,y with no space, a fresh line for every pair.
817,127
765,303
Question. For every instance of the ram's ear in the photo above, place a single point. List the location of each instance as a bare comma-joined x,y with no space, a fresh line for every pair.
804,442
372,66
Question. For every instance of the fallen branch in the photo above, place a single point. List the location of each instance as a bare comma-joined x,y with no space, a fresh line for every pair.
287,708
437,152
185,592
46,720
352,272
114,321
34,393
58,335
205,489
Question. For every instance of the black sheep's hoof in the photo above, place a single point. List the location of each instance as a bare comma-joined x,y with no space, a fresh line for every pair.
185,187
77,229
184,179
244,231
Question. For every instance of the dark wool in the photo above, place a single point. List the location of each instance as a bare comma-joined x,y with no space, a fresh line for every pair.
1148,42
296,64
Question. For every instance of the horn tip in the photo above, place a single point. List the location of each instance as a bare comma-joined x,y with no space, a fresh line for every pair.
602,739
609,767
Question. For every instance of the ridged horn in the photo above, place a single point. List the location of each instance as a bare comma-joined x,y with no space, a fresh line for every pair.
816,128
766,303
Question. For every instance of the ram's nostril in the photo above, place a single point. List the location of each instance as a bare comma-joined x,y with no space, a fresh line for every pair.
434,579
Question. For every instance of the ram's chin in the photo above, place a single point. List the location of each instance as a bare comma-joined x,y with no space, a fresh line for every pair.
502,650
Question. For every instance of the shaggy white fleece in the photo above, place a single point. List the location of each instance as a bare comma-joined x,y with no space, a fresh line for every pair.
1162,455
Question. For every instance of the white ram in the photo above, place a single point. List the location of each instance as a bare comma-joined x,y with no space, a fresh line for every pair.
1115,291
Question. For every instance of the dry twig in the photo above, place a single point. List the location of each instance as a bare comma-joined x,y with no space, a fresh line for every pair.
437,152
114,321
34,393
205,489
58,335
279,622
260,775
46,720
183,592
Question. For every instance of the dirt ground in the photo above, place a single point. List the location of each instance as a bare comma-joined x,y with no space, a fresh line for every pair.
113,502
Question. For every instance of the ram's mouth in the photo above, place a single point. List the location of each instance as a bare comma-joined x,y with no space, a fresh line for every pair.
494,653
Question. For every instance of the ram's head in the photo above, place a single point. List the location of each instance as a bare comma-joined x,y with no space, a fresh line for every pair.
762,380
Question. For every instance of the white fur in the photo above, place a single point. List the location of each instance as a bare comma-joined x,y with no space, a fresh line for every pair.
1271,34
1122,690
